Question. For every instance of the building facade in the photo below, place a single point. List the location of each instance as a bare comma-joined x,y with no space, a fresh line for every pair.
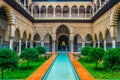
59,25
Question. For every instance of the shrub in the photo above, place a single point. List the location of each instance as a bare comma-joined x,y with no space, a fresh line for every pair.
96,54
8,59
40,49
112,59
85,50
29,54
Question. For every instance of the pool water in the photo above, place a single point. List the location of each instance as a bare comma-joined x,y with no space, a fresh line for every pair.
61,69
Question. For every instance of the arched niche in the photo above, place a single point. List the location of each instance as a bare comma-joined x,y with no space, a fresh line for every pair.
108,40
82,12
43,11
101,40
36,40
77,43
4,28
36,11
50,11
65,11
58,11
89,12
62,36
88,40
16,40
74,11
48,42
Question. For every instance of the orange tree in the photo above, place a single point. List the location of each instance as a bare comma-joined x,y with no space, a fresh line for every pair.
8,60
96,54
29,54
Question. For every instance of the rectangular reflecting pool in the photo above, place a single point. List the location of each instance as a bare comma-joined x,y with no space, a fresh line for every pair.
61,69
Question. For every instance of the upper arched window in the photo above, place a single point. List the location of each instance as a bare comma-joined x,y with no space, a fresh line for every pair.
50,9
74,9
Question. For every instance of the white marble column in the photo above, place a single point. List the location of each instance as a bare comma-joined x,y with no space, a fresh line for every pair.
11,43
85,14
98,43
93,12
20,46
39,14
26,43
32,10
24,3
69,12
100,3
61,13
83,44
42,43
46,12
31,44
54,12
113,43
71,46
104,44
53,46
94,44
78,12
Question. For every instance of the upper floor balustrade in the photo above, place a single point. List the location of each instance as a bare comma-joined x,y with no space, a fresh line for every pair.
81,12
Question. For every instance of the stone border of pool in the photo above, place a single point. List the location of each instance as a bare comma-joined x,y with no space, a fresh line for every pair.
40,72
82,72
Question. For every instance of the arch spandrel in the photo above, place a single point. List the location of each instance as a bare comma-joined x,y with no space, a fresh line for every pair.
56,28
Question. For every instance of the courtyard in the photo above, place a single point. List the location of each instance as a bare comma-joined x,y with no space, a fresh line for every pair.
60,39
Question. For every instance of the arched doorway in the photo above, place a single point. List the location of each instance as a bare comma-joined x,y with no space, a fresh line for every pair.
36,40
62,37
101,40
88,40
3,28
48,43
63,43
16,40
77,43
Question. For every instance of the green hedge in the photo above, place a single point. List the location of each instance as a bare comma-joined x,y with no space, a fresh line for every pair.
111,59
40,49
85,50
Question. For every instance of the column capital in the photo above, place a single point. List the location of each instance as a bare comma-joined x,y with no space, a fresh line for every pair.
115,25
114,38
53,40
71,40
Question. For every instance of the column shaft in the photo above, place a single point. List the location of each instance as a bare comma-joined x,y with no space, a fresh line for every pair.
98,43
78,13
46,13
31,44
26,43
83,44
70,13
94,44
11,44
54,13
25,3
42,43
100,3
20,46
61,13
71,46
113,43
104,44
53,46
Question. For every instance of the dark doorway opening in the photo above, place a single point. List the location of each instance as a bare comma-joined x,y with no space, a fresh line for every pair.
63,43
